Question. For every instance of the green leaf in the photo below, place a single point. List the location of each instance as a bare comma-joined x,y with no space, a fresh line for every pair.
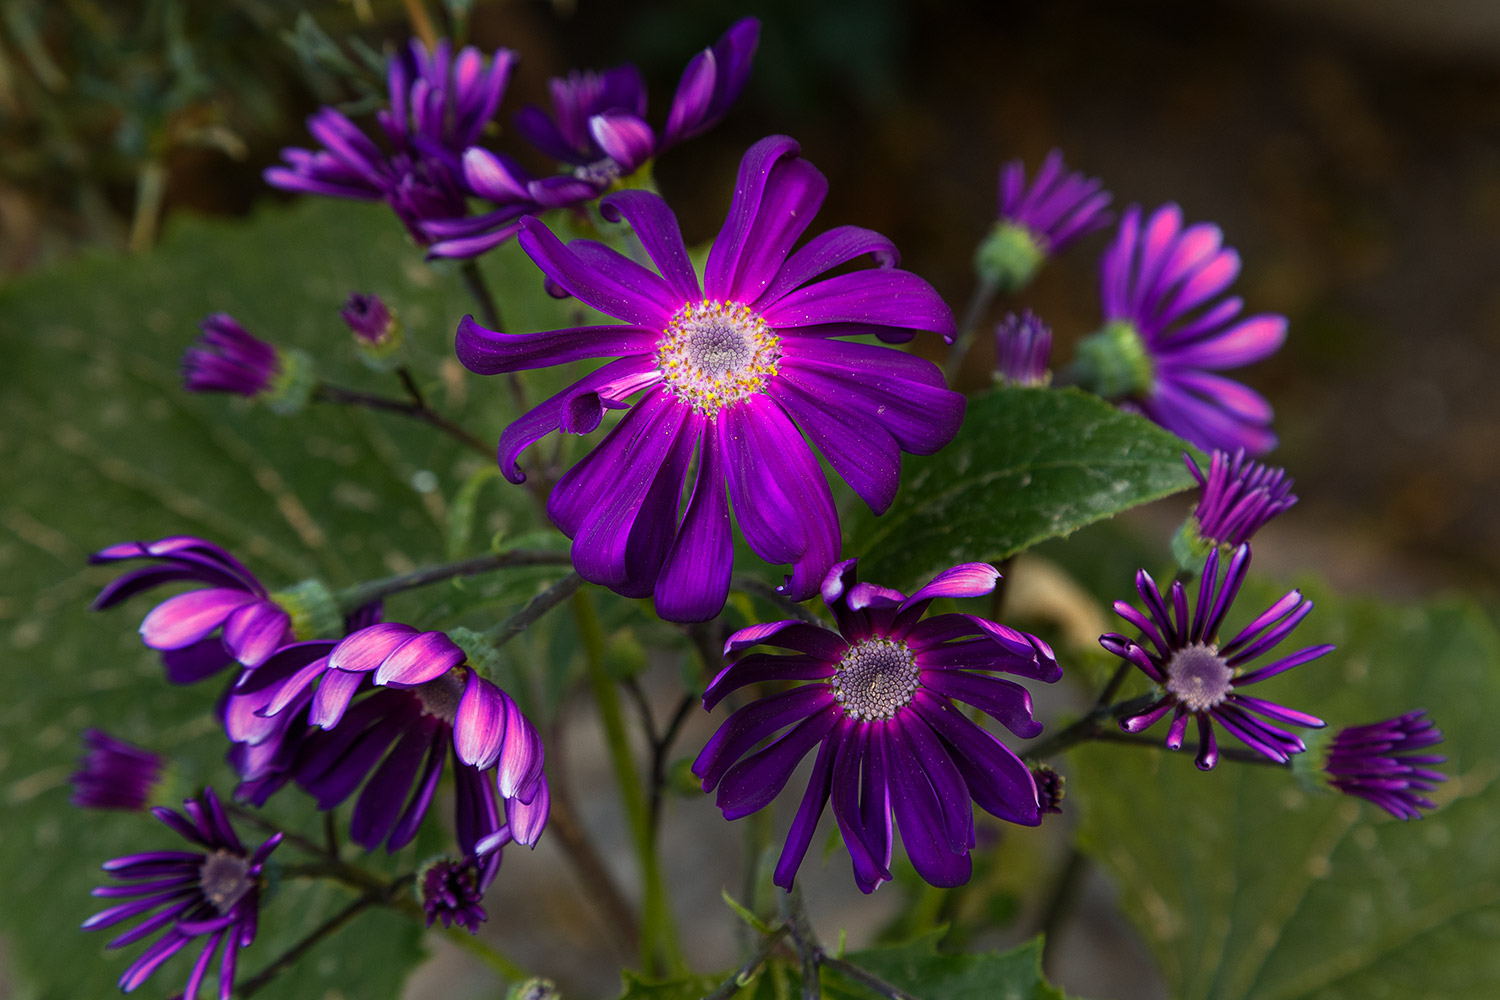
99,444
1246,885
919,969
679,988
1028,465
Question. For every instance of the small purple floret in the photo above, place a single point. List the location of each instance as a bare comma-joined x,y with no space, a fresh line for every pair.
114,774
1380,762
1202,679
878,705
1057,208
1023,347
1239,496
229,359
451,893
211,891
368,318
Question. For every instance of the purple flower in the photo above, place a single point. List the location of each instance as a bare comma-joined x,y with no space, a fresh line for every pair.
450,892
1023,346
200,632
211,893
735,372
114,774
1039,221
599,132
1051,788
1200,678
227,358
440,105
369,319
892,746
1168,330
1379,762
1239,497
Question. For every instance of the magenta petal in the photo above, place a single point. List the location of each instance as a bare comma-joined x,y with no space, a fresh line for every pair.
882,297
183,620
694,579
479,726
521,757
823,253
624,137
420,659
256,631
613,284
367,649
528,819
335,692
965,580
656,226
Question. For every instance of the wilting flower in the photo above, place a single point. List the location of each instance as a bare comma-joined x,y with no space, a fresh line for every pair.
229,359
598,131
114,774
1239,497
440,105
892,746
1023,346
1051,789
735,371
450,892
1167,331
200,632
1039,221
212,892
1201,678
1380,762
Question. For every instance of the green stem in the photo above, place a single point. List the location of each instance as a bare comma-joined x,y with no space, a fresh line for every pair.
979,304
534,609
416,408
289,957
659,944
763,590
742,975
361,594
489,956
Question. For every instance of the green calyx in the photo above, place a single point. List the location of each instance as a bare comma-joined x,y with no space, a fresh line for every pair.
1190,548
479,650
293,385
314,609
1307,768
1009,257
387,353
1114,362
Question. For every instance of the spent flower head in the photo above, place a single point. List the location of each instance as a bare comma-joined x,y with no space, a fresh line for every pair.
113,774
1382,762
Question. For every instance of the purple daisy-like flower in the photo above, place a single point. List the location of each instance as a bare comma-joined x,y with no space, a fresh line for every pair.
1201,678
1037,221
893,749
439,105
1380,762
450,892
229,359
734,371
1239,496
1169,329
599,132
114,774
231,619
1023,346
211,892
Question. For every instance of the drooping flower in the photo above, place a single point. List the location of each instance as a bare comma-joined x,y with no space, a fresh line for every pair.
734,371
229,359
439,105
1201,678
1168,330
893,749
210,892
450,892
1239,496
1380,762
1038,222
1023,346
200,632
113,774
598,132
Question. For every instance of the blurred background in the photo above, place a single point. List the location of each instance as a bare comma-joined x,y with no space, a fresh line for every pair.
1349,149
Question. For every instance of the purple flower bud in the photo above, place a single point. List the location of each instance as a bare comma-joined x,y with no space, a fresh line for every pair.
1379,762
227,358
1239,496
114,774
369,319
1023,346
450,892
1050,788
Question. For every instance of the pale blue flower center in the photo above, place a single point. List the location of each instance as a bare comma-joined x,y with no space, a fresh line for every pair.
224,878
875,678
1199,677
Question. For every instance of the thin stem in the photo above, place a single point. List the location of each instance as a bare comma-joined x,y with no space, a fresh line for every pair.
364,593
289,957
808,949
761,589
979,304
534,609
866,979
479,291
150,192
660,748
471,943
741,976
414,408
256,820
1060,900
330,834
659,934
1090,727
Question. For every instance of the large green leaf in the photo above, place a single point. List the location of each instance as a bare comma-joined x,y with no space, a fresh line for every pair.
99,444
1028,465
1245,884
925,973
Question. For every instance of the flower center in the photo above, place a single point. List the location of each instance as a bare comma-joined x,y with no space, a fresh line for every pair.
224,879
600,173
1199,677
713,354
441,695
875,678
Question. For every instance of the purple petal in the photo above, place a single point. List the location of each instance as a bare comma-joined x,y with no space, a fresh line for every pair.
479,726
694,579
522,756
528,819
488,353
753,723
624,137
882,297
420,659
366,649
600,277
805,822
1004,701
256,631
920,817
760,667
183,620
752,783
965,580
823,253
859,449
758,232
656,226
1000,784
814,640
193,663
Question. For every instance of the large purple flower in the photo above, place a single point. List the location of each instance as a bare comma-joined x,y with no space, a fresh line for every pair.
440,105
211,892
249,623
1169,329
1201,679
734,372
1037,221
879,708
1381,762
599,133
